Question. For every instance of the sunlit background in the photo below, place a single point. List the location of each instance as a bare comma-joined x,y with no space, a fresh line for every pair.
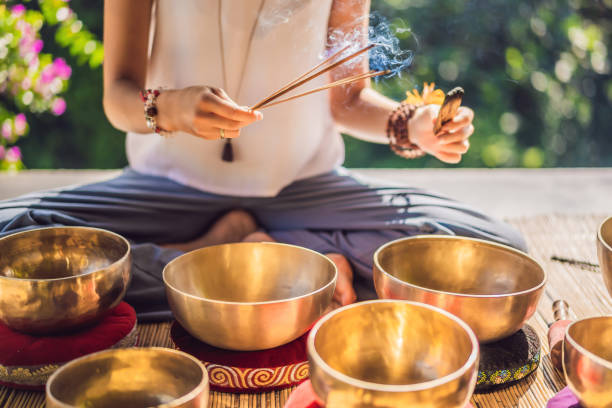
536,73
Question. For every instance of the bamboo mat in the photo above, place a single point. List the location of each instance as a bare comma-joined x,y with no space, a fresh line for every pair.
560,235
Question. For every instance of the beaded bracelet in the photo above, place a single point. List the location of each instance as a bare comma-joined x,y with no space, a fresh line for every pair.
149,97
397,132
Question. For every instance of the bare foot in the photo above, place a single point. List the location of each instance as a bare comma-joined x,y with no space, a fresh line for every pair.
344,293
258,236
234,226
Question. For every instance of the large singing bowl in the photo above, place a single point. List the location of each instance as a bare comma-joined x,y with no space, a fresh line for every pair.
604,251
587,361
392,353
134,378
59,278
249,296
492,287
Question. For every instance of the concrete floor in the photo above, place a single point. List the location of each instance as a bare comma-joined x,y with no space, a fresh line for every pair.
499,192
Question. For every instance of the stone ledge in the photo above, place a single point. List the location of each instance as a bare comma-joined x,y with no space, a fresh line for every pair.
500,192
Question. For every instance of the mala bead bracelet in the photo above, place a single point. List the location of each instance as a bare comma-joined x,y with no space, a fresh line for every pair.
397,132
149,98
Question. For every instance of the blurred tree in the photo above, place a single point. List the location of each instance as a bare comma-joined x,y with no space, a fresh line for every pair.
536,73
82,137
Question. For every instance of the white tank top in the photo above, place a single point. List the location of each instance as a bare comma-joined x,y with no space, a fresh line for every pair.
295,140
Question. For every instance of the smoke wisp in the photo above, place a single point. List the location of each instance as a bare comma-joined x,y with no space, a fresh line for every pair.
386,55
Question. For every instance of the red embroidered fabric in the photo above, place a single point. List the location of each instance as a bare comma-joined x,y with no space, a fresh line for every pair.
247,371
26,361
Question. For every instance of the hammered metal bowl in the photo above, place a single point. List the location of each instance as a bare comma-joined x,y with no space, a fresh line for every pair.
492,287
59,278
604,251
587,360
249,296
134,377
392,353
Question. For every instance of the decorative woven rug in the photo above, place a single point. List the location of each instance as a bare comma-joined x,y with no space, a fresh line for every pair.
555,235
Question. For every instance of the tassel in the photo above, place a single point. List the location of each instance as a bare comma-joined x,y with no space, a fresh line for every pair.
228,151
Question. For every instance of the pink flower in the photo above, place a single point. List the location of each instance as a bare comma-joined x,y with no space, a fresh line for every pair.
20,124
25,28
23,47
59,106
13,154
26,83
7,129
47,74
37,46
62,69
18,10
1,152
34,62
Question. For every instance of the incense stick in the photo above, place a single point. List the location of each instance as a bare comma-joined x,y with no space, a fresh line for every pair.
326,61
340,82
310,77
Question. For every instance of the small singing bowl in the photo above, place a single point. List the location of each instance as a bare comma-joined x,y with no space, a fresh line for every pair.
60,278
587,360
392,353
249,296
492,287
133,377
604,251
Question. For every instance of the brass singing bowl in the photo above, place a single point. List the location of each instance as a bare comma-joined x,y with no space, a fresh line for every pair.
133,377
587,360
604,251
392,353
59,278
492,287
249,296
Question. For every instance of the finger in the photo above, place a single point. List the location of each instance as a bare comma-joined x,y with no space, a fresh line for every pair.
453,158
230,134
220,92
215,133
459,135
458,147
211,119
214,103
463,118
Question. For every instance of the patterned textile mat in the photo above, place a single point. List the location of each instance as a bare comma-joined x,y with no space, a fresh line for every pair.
551,235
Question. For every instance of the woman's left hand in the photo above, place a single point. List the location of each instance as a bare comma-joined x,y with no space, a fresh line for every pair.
451,142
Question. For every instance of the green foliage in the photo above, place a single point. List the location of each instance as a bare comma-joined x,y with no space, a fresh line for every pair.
537,75
32,81
83,44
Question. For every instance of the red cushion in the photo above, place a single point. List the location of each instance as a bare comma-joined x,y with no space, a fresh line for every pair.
27,361
247,371
305,397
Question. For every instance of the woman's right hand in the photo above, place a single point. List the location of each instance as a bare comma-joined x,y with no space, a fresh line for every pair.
203,111
451,142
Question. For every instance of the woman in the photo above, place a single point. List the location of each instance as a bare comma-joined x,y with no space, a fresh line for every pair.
202,60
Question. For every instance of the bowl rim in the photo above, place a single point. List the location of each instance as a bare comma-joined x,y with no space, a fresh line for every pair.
599,360
471,360
203,384
457,238
600,235
73,227
265,302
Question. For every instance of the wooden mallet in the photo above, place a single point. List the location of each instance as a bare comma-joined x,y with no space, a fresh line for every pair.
556,332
